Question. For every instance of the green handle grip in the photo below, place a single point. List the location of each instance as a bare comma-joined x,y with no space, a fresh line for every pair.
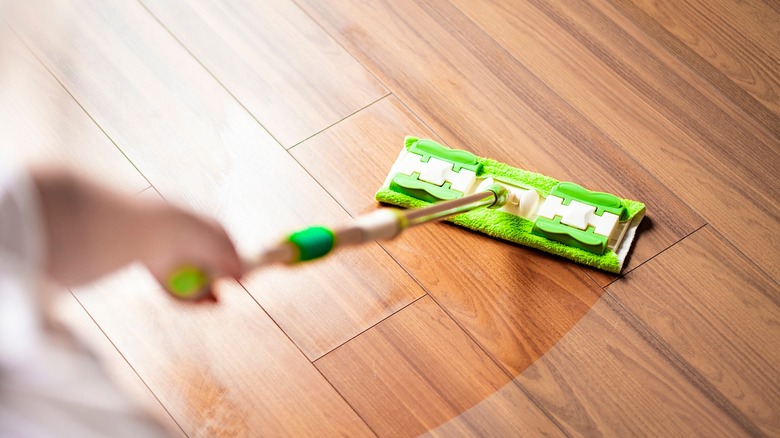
313,242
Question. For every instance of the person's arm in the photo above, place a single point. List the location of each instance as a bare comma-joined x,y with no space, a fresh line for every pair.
90,231
57,223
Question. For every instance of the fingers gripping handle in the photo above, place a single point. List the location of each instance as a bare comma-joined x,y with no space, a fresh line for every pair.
191,282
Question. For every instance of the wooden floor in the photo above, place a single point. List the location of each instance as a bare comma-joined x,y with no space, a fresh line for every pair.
276,114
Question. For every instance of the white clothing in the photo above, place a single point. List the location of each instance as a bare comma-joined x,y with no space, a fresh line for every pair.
48,385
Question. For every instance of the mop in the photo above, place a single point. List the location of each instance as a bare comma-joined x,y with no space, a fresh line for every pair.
436,183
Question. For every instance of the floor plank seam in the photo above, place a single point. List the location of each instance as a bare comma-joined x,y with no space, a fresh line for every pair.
377,243
421,120
46,67
698,381
512,378
593,279
776,281
129,364
682,52
368,328
150,186
398,262
341,120
615,144
651,258
209,72
142,190
336,40
300,351
346,401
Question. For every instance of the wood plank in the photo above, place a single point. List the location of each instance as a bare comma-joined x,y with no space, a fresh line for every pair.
603,378
489,103
68,311
416,370
714,31
293,77
629,95
515,302
199,147
40,122
712,308
220,370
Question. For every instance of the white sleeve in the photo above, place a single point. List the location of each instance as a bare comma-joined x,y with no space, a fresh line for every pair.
48,386
21,257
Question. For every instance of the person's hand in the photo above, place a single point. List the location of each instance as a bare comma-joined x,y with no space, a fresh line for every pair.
177,238
91,231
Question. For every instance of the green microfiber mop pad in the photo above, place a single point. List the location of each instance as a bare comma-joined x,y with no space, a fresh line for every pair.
503,224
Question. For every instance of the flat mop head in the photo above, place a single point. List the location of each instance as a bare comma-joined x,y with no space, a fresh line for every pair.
560,218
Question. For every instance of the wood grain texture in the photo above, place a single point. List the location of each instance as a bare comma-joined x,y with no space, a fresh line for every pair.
711,307
416,370
69,312
602,379
724,103
277,62
220,370
756,20
516,302
366,144
674,104
771,4
726,95
499,415
713,31
477,97
41,123
199,147
616,88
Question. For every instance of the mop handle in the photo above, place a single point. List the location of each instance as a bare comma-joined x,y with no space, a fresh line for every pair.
190,282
